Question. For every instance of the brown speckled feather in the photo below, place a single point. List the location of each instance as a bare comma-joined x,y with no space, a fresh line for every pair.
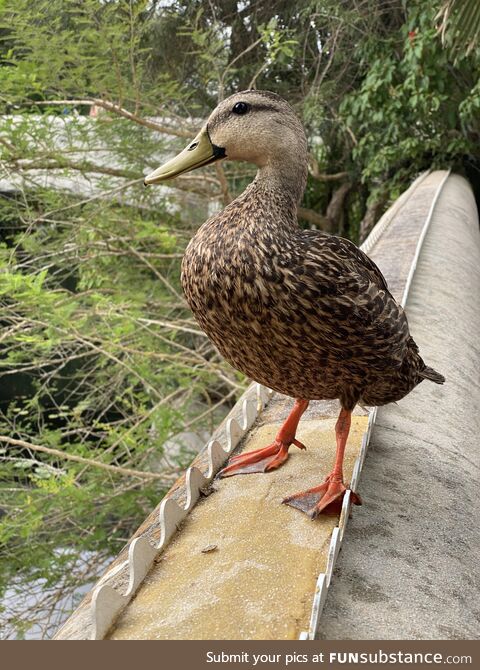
302,312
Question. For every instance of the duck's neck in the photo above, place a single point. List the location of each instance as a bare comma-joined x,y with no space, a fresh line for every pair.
269,202
277,190
289,177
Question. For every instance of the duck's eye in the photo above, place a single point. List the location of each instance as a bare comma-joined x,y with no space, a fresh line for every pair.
240,108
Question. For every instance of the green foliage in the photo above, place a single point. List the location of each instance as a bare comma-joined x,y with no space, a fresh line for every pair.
92,366
414,109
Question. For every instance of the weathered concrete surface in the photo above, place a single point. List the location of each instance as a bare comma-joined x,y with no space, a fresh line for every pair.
257,576
409,567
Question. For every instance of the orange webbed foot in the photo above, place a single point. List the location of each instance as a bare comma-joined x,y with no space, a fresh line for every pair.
326,498
275,454
259,460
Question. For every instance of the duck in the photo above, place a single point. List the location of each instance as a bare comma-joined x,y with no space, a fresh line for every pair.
301,311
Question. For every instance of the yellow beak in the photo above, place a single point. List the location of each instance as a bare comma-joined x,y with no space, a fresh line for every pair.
198,153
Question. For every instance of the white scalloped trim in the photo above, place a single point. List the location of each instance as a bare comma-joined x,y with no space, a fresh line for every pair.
107,603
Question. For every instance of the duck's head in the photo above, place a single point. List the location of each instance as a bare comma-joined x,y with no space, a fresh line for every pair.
259,127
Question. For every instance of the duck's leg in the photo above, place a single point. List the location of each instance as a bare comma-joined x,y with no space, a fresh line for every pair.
316,500
273,456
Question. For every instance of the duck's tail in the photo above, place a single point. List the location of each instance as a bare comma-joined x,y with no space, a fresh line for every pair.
424,371
432,375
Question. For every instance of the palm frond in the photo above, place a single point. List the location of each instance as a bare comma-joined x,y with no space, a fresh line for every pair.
460,24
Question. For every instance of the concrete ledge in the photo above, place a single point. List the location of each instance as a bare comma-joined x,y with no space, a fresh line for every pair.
244,566
410,568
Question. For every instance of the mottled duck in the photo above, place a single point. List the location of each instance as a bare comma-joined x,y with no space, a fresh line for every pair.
305,313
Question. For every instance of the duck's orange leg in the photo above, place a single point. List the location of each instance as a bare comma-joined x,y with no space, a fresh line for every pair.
273,456
331,492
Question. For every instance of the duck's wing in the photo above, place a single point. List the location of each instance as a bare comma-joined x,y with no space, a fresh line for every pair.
385,327
360,262
358,296
334,248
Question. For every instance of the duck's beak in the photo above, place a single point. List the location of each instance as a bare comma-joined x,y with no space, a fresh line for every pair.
201,151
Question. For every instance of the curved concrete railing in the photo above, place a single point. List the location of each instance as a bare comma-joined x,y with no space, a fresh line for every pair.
411,569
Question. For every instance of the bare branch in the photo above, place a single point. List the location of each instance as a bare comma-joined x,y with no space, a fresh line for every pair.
120,111
314,170
317,219
336,204
61,164
221,85
80,459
